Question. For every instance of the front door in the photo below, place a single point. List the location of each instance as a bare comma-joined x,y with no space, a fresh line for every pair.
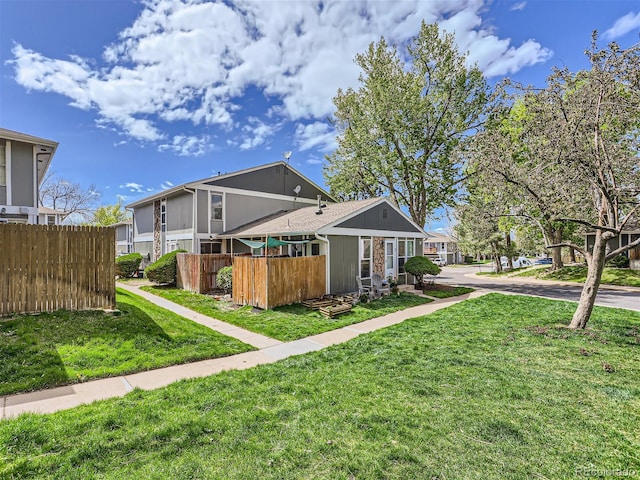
390,258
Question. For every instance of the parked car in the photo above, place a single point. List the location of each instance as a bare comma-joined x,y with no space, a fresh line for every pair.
441,262
543,261
520,262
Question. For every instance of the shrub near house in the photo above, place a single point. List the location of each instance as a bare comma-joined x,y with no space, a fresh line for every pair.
127,265
164,270
419,266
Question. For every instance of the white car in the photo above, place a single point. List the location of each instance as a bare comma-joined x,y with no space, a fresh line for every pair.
441,262
519,262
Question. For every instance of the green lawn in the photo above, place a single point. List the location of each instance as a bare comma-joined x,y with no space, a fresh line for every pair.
490,388
610,276
289,322
446,291
39,351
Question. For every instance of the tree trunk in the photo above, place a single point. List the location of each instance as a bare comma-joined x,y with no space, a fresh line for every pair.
595,265
557,251
572,255
507,239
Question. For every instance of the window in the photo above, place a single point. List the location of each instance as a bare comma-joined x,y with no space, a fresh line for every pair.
315,249
210,247
406,250
216,206
3,165
51,219
163,215
365,257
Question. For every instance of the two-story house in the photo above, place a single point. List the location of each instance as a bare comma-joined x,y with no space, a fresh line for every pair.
274,210
24,160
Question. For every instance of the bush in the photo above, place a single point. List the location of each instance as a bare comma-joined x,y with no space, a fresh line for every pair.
224,279
619,261
127,265
164,270
419,266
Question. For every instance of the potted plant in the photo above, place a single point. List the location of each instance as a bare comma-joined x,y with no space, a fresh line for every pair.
393,283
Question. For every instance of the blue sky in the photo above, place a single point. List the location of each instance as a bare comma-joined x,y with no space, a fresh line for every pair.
143,95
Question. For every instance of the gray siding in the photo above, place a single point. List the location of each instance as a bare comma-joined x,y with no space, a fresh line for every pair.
343,263
22,193
202,216
121,233
143,219
180,212
278,179
186,245
3,195
144,248
381,217
243,209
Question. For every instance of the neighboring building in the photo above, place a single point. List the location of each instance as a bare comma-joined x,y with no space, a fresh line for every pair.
24,160
358,238
625,238
49,216
443,247
191,216
124,237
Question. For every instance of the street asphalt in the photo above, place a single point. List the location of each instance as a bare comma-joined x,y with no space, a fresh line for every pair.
620,297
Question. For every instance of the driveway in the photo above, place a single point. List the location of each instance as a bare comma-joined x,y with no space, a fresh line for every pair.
606,297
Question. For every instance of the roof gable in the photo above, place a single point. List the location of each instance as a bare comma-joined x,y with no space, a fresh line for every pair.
277,178
380,217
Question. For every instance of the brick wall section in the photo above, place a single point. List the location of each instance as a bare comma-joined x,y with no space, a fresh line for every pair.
378,256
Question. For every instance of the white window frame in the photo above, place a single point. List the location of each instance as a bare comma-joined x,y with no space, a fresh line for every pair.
361,255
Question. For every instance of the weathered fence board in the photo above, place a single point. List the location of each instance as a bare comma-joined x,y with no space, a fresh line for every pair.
47,268
267,282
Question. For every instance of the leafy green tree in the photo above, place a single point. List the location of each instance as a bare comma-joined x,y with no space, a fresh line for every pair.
567,156
109,214
398,132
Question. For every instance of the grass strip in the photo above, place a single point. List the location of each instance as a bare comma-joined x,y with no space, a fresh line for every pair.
289,322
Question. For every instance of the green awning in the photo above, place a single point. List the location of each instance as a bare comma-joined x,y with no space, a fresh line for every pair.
271,242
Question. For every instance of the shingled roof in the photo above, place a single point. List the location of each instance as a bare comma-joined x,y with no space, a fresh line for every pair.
303,221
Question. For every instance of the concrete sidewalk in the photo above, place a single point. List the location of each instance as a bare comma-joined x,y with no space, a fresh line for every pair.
61,398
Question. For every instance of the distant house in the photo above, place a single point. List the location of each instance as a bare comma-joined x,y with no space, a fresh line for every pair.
443,247
625,238
274,210
24,160
49,216
124,237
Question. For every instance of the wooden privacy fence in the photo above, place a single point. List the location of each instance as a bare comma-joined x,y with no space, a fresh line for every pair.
46,268
267,282
198,272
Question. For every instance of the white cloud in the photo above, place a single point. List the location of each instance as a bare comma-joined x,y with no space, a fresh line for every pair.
256,133
133,187
166,185
518,6
187,146
319,135
121,198
623,25
194,60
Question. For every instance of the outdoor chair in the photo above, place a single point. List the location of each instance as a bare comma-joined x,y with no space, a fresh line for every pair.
363,289
380,286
